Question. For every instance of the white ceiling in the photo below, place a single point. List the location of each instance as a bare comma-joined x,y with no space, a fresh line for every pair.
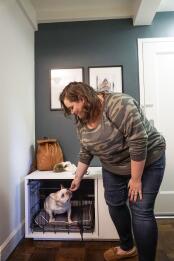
141,11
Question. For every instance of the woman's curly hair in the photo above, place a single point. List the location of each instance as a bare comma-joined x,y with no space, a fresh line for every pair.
76,91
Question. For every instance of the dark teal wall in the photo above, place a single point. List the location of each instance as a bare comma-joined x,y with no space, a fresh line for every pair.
83,44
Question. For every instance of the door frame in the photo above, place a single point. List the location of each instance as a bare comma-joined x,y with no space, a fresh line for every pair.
141,42
163,195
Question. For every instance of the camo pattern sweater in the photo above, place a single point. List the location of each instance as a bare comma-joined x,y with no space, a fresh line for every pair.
123,134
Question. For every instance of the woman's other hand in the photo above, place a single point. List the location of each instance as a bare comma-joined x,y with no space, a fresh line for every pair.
135,185
135,189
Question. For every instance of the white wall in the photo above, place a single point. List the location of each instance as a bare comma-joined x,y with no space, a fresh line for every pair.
17,119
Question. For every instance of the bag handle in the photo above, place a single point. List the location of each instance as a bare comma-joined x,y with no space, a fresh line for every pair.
45,139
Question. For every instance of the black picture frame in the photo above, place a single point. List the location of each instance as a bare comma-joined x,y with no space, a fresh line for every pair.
106,78
59,78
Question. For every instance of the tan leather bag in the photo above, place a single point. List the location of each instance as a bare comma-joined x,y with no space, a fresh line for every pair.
48,154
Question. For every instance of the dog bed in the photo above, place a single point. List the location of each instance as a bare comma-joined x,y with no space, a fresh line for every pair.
82,217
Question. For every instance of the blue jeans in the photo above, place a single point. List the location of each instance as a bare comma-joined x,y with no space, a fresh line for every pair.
139,216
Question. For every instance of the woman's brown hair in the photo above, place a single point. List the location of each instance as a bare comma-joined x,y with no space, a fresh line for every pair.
74,92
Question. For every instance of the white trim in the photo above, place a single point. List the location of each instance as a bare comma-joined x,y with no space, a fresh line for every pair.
141,42
167,192
11,242
29,12
164,217
157,39
164,203
141,74
145,12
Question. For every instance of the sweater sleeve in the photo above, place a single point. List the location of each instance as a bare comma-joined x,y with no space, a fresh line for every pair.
127,116
84,155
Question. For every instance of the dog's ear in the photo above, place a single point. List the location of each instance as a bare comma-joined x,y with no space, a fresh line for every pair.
62,186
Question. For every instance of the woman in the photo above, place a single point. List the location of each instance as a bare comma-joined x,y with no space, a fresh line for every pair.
132,154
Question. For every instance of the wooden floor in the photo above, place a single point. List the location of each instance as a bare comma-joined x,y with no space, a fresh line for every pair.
33,250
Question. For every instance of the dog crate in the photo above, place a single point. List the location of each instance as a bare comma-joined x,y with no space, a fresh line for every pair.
90,216
82,207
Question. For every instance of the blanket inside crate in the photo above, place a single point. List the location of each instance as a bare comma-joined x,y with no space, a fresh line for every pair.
82,217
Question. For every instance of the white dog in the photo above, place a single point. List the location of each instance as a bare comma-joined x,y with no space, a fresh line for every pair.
58,203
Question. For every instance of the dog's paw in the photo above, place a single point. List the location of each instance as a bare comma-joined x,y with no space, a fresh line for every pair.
51,220
70,221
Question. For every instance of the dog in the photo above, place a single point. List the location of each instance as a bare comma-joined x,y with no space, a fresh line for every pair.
58,203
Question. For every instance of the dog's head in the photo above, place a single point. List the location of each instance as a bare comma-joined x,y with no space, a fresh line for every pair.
63,195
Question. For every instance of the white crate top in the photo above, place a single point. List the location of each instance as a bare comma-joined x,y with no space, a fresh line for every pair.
93,173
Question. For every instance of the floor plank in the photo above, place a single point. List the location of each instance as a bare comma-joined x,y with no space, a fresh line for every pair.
35,250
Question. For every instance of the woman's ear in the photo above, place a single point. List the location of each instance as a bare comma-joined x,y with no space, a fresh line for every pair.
80,98
62,186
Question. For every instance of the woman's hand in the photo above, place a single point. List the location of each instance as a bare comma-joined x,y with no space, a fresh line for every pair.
135,189
75,184
135,185
80,171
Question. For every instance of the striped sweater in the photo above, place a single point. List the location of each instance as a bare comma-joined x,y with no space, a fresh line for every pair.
123,134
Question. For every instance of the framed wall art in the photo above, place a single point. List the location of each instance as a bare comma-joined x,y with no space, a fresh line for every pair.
59,79
106,78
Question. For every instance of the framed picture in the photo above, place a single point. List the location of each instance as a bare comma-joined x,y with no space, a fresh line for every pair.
108,78
59,79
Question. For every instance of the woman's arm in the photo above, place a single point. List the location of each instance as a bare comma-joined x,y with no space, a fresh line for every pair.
135,185
81,170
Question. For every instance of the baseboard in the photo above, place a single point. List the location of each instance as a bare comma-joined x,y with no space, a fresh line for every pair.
164,204
11,242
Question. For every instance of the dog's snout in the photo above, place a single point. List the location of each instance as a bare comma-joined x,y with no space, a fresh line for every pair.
69,192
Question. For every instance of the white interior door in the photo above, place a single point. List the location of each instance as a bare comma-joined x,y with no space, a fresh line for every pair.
156,74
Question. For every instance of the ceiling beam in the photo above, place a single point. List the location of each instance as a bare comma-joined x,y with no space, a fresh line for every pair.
146,10
29,12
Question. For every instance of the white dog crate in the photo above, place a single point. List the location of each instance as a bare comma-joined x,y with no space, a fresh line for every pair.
90,214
